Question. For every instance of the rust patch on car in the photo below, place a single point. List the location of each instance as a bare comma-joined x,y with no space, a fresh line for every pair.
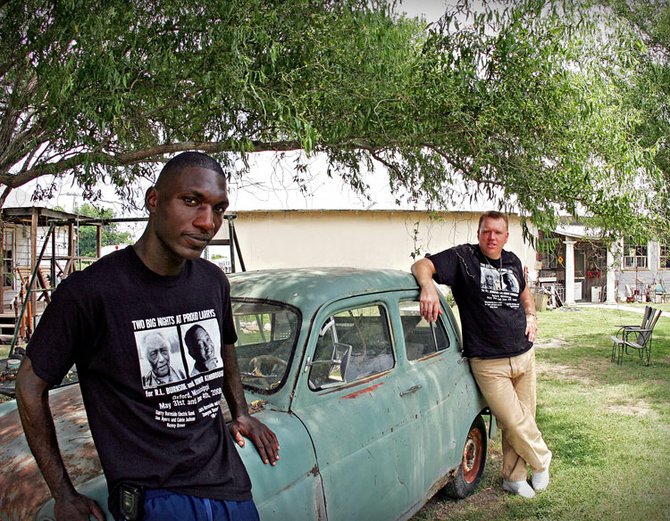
23,488
257,406
362,391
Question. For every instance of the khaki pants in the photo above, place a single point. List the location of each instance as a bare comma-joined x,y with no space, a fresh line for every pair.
508,384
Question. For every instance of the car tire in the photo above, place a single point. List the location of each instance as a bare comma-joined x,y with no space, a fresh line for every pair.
472,465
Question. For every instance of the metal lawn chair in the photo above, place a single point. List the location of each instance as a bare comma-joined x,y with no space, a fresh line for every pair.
620,336
638,338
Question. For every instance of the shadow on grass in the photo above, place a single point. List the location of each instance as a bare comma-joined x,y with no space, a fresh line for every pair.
605,423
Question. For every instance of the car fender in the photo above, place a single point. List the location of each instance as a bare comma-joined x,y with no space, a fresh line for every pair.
292,488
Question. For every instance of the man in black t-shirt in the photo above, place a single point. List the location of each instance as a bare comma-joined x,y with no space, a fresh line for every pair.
123,321
499,326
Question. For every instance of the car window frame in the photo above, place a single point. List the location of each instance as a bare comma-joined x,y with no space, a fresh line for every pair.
294,347
439,323
351,303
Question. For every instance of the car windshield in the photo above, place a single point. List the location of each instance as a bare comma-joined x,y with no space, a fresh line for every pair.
267,333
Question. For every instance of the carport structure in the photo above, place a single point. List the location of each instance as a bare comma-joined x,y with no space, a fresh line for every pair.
38,248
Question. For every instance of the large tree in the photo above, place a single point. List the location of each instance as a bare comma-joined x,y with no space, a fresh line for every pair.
513,103
650,22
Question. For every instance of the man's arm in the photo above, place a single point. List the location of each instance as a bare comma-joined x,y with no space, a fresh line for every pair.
531,316
32,397
429,301
245,425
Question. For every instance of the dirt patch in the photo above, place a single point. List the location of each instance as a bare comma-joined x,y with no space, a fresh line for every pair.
485,499
565,373
489,497
551,343
639,408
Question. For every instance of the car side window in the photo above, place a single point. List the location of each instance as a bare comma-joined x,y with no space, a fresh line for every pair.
267,333
352,344
422,338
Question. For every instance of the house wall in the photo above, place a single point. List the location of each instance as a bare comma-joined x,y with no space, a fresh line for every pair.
653,274
367,239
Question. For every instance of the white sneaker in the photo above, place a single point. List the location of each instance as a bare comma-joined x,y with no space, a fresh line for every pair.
540,480
521,488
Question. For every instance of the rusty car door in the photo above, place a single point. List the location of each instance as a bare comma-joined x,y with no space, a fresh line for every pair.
446,395
349,399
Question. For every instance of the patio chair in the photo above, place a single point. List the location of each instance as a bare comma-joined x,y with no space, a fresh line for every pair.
637,339
621,333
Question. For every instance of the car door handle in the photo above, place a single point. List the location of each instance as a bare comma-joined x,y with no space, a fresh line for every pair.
411,390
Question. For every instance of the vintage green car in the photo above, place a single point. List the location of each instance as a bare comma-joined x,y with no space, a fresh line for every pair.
375,409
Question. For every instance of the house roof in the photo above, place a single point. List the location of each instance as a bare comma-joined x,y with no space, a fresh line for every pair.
19,208
576,231
45,216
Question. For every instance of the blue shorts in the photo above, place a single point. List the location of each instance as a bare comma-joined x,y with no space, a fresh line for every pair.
163,505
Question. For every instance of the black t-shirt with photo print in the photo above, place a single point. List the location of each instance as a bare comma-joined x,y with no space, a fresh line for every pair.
487,293
155,421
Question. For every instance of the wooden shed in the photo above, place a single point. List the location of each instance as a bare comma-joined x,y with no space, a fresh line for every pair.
38,248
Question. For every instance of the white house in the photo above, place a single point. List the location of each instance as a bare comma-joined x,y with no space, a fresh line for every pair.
360,238
277,226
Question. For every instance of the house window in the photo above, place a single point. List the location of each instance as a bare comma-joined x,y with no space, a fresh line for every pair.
664,256
634,255
549,255
7,256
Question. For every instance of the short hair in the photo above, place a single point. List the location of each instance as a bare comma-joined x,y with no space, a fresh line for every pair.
492,214
190,335
188,159
154,339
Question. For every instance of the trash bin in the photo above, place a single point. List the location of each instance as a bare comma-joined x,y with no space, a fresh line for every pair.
595,293
540,301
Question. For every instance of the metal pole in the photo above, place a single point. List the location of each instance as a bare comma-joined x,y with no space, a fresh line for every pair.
52,272
239,252
231,239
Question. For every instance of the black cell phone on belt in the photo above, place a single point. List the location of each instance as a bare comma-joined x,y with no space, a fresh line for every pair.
131,501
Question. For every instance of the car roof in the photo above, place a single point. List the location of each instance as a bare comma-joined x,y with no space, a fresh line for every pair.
312,287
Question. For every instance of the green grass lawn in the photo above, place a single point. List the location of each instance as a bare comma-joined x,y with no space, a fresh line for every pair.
607,425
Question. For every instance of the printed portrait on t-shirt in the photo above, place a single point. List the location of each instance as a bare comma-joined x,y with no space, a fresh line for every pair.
160,356
499,280
490,279
202,342
509,282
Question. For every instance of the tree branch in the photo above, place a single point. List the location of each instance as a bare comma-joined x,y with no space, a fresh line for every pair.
3,197
105,159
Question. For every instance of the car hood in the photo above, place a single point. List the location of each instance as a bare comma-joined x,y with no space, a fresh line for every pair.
22,488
